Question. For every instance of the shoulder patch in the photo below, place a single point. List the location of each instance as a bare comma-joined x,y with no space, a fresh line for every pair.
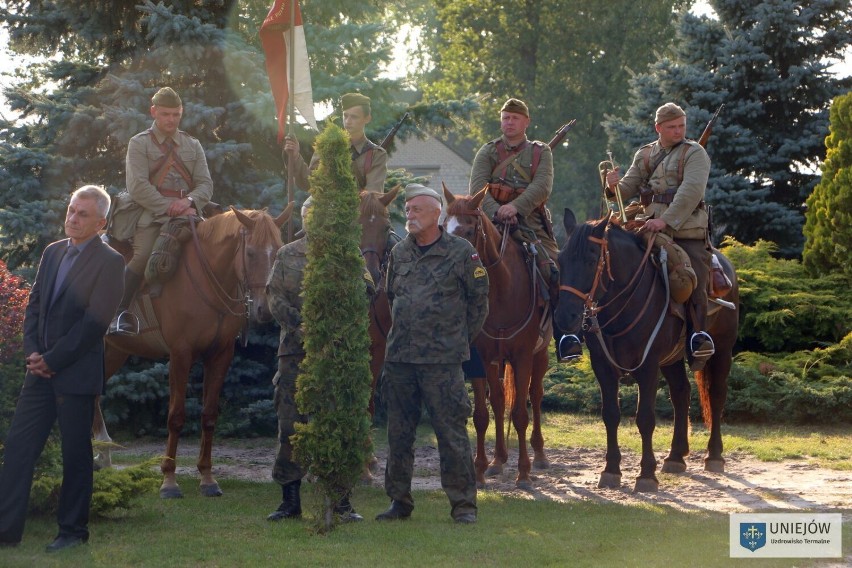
479,272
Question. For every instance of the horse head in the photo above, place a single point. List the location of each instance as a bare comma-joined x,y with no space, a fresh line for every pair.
375,228
464,218
260,239
581,262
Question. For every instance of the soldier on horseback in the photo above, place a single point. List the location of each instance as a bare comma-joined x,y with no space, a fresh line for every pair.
167,179
519,175
670,177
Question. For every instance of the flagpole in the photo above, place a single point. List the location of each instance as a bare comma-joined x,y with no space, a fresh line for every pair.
291,111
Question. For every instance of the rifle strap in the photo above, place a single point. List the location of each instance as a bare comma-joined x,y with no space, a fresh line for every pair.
368,159
662,156
506,158
170,160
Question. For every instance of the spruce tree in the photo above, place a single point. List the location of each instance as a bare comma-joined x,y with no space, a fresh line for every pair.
767,61
828,219
334,387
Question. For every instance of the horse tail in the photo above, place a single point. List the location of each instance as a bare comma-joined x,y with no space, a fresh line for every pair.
703,383
509,394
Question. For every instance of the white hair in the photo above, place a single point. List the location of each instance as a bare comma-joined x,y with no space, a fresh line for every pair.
98,193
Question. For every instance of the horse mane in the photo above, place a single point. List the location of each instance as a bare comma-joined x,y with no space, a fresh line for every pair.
371,206
221,228
579,241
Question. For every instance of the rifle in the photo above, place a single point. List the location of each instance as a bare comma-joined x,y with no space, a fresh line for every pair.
708,130
561,133
390,136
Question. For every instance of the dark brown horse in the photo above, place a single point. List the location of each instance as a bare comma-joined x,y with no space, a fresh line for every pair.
219,285
512,343
375,229
612,291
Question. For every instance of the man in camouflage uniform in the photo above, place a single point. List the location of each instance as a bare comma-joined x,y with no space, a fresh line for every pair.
670,176
438,290
284,292
519,175
167,177
369,160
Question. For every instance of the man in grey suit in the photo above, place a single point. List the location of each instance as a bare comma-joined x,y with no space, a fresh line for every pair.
75,294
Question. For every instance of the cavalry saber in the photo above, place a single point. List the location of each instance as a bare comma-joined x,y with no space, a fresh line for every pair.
618,199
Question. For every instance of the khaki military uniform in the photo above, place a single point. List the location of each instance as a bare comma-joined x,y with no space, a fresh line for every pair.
143,158
369,166
283,291
532,211
439,301
680,205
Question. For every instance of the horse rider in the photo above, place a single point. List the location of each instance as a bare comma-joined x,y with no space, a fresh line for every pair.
670,176
369,160
519,175
167,178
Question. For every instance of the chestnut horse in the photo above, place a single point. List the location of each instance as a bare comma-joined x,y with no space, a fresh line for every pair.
220,283
512,343
613,291
375,229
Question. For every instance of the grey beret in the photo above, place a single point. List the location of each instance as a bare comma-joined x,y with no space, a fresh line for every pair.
413,190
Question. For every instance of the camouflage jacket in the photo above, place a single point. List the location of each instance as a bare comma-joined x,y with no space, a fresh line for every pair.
439,300
284,293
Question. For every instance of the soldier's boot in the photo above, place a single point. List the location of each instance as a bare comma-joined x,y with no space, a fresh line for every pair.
291,502
125,322
701,346
345,511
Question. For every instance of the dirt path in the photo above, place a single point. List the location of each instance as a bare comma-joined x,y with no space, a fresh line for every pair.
747,484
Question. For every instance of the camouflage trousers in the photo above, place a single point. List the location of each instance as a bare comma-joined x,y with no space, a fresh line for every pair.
441,387
285,469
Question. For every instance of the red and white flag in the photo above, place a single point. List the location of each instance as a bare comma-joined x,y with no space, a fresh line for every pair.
278,37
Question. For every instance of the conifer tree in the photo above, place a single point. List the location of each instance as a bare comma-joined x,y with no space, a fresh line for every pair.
334,387
828,219
767,61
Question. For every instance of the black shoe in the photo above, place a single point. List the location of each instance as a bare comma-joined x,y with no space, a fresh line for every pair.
396,512
291,503
63,542
701,348
568,348
346,511
125,323
466,519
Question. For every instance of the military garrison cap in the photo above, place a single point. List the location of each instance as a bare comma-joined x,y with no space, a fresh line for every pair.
350,100
413,190
166,97
668,111
517,106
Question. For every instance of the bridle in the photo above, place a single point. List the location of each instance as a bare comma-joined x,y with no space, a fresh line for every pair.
599,289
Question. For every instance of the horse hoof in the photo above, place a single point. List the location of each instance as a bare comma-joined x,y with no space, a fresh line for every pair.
673,466
714,465
171,493
524,484
541,464
494,470
646,485
609,481
211,490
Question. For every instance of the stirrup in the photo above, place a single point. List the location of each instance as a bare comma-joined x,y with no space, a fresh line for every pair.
705,351
568,348
125,323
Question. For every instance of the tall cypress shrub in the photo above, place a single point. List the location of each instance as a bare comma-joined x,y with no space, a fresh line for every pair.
334,384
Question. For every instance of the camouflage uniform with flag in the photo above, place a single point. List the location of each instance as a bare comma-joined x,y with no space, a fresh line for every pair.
439,301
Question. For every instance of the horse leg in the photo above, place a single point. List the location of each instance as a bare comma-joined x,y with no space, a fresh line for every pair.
610,477
679,394
498,406
113,360
521,418
480,422
179,365
647,378
540,364
713,388
215,369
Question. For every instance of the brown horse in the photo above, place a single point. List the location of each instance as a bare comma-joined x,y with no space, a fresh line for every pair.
512,343
375,229
219,286
612,291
